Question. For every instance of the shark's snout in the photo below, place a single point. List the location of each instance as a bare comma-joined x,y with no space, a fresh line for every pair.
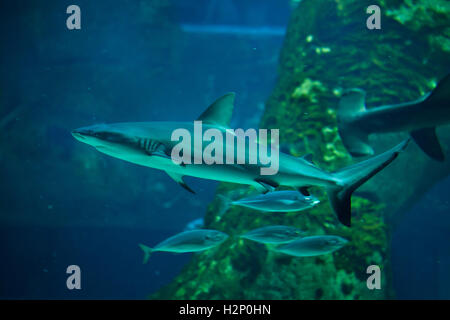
80,134
77,135
100,137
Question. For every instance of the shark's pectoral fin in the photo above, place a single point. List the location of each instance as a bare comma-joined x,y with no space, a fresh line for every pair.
265,185
179,179
428,141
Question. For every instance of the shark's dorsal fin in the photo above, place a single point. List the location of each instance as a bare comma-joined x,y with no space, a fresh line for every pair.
219,112
179,179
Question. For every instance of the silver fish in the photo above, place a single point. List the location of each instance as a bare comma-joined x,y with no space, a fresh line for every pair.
312,246
188,241
276,201
273,234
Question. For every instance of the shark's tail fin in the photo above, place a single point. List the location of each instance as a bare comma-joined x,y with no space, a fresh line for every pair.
426,139
353,176
440,96
147,252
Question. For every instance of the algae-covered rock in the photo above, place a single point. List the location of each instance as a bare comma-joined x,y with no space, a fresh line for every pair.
327,49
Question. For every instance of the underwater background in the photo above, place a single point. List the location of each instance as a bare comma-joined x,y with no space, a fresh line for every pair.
63,203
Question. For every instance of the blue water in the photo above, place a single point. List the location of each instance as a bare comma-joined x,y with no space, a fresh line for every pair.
63,203
60,209
421,247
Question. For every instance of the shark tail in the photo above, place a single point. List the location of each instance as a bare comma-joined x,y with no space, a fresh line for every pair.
147,252
426,138
356,139
353,176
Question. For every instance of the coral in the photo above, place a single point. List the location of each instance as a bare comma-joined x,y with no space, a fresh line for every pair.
417,14
425,14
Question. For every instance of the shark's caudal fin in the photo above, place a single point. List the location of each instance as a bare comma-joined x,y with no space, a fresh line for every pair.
426,138
428,141
355,175
147,252
440,96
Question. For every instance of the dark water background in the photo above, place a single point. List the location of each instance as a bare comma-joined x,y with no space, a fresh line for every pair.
64,203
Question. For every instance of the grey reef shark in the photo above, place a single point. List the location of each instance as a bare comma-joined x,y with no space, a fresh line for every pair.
150,144
420,118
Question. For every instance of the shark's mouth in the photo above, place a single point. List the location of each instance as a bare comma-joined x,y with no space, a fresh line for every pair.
78,136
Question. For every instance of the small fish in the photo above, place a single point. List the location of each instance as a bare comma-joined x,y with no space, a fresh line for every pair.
273,234
312,246
188,241
274,201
